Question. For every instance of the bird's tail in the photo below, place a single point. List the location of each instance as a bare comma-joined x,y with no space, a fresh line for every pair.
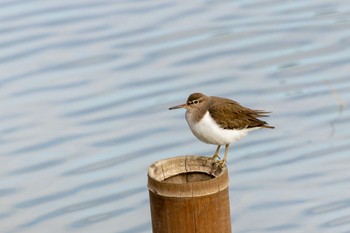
268,126
262,113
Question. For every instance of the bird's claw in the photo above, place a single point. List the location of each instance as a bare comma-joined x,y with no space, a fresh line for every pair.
222,163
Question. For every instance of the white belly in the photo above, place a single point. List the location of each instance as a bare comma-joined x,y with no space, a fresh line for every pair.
208,131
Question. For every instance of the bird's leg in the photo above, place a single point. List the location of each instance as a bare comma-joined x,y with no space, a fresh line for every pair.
216,155
223,162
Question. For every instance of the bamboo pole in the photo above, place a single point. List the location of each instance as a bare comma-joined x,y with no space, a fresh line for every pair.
189,194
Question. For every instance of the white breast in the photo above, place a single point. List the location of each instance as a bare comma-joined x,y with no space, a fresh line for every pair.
208,131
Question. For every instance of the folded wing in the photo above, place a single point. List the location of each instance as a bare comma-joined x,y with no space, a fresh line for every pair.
231,115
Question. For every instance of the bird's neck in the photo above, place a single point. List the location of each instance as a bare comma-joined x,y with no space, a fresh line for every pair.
194,116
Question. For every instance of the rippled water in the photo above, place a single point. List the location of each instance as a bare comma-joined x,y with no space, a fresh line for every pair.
85,91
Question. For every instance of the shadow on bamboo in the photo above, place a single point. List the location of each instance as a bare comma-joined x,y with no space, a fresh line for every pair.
189,194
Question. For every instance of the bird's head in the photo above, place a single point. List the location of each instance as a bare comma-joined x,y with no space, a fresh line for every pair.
194,101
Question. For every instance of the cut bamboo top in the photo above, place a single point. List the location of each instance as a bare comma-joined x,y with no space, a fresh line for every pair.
187,176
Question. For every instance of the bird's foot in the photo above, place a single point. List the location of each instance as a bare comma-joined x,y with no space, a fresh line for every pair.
222,163
215,156
210,160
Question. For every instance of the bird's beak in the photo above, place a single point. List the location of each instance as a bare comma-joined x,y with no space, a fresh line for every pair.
178,106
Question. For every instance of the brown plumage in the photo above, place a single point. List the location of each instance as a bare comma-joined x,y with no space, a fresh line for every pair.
231,115
220,121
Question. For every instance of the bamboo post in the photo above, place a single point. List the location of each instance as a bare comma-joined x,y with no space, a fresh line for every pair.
189,194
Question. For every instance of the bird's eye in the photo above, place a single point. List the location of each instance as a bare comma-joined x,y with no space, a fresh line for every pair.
195,101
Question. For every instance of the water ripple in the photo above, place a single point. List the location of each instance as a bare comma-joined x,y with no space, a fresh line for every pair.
7,192
70,192
49,143
121,159
83,206
100,217
95,60
83,80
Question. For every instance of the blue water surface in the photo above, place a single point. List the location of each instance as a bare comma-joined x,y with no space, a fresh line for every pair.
86,86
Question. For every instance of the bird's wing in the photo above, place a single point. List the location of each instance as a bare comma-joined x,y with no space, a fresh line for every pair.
231,115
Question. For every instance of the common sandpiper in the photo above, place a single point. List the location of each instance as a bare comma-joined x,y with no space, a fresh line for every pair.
220,121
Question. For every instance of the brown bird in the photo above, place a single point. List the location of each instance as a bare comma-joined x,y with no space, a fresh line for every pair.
220,121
